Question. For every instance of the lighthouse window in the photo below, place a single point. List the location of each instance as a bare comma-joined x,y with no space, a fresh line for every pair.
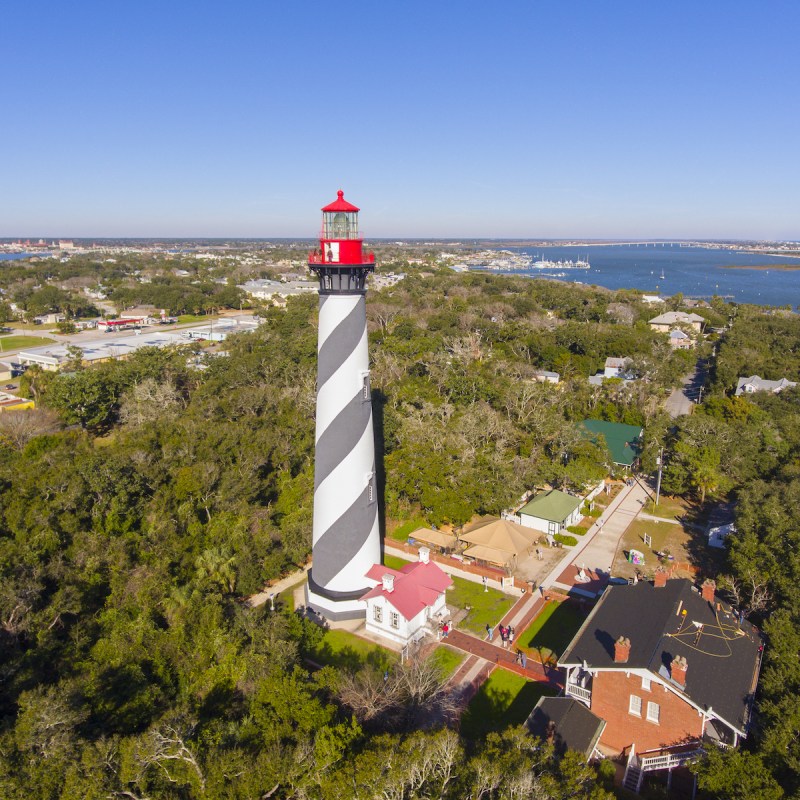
365,386
371,492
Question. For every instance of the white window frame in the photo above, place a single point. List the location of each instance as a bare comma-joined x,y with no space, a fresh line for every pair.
394,619
653,712
377,614
645,683
635,705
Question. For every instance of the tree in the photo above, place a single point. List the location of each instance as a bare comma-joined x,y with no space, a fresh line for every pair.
735,775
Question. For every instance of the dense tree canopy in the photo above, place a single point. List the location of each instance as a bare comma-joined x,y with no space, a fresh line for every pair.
130,532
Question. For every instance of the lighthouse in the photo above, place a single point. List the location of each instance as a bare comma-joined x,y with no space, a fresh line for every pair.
346,538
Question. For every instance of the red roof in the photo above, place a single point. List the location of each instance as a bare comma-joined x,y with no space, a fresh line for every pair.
340,204
415,586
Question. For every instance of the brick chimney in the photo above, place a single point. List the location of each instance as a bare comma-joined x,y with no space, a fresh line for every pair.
707,590
678,669
660,578
388,583
424,554
622,650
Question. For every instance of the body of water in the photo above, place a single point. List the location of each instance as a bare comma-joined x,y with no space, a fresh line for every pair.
694,271
17,256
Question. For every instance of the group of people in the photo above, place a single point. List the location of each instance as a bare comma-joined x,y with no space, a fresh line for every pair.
507,638
506,634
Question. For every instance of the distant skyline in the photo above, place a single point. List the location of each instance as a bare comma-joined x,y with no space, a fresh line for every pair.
526,120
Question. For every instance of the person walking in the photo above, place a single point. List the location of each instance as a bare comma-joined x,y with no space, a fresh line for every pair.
510,635
523,659
445,630
489,633
504,637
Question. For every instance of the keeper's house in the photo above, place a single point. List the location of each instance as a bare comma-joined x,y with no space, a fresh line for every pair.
668,668
406,604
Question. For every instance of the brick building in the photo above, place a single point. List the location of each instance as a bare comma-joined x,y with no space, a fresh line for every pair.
668,668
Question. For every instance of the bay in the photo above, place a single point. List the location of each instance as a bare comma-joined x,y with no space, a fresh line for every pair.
696,272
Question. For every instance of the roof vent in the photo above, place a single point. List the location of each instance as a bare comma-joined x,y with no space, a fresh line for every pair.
388,583
622,650
424,555
707,590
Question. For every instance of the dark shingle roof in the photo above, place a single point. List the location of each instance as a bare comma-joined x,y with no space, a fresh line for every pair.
575,727
722,658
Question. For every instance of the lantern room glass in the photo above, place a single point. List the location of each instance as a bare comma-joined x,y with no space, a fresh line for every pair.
340,225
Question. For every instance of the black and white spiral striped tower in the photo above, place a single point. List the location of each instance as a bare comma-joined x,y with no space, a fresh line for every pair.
346,537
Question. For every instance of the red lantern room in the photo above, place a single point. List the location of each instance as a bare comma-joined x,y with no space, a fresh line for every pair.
339,262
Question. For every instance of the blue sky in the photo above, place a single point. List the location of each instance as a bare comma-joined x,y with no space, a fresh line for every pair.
521,119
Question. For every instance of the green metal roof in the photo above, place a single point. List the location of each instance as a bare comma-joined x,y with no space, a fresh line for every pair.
554,506
623,440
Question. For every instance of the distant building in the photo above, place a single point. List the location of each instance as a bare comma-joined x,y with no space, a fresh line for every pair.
545,376
616,367
665,322
678,340
719,534
652,299
10,402
756,384
264,289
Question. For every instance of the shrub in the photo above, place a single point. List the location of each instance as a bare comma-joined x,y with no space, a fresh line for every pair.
567,541
576,529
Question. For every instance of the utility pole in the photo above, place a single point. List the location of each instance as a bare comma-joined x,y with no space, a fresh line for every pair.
660,462
700,396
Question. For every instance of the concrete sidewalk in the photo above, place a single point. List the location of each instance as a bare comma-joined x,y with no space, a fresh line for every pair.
594,553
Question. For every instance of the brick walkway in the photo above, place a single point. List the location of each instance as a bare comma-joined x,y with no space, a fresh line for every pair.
521,614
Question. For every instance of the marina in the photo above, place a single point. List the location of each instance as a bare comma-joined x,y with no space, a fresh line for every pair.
696,272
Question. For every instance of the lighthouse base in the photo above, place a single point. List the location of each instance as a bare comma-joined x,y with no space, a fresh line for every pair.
335,606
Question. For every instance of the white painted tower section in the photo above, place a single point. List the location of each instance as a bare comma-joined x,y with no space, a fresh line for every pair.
346,534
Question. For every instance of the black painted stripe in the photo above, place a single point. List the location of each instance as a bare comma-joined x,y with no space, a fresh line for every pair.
342,341
345,537
341,436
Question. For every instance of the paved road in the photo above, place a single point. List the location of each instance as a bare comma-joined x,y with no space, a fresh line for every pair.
594,554
681,401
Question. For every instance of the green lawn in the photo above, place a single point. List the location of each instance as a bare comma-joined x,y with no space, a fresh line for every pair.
195,318
447,659
505,699
394,562
486,608
344,649
551,632
668,508
17,342
401,532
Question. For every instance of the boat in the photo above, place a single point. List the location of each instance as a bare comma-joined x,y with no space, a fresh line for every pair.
662,273
559,265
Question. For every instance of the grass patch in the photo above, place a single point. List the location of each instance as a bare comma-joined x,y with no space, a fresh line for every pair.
194,318
486,607
345,650
401,532
551,632
394,562
16,342
668,508
505,699
447,659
